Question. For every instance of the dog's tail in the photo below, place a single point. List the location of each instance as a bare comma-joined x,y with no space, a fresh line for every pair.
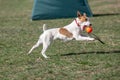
44,27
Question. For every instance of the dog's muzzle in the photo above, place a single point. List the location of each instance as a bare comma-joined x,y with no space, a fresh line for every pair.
86,26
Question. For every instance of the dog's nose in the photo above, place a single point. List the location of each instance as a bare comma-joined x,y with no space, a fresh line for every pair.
90,24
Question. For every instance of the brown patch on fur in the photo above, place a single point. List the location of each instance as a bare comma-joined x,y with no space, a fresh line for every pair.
65,32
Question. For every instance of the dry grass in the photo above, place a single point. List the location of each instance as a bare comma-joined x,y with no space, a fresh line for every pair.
73,60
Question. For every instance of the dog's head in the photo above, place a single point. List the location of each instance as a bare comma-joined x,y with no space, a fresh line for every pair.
83,20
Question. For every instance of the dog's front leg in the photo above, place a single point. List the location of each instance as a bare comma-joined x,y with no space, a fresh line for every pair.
84,38
80,37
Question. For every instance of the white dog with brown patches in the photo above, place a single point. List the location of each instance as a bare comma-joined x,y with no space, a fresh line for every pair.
69,32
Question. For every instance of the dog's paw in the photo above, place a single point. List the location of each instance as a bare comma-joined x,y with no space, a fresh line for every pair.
28,53
91,39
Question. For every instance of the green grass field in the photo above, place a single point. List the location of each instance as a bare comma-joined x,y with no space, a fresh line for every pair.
73,60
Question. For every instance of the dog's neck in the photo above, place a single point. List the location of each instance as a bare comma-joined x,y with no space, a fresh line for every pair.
75,24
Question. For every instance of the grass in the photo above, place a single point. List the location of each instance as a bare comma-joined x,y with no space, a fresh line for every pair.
73,60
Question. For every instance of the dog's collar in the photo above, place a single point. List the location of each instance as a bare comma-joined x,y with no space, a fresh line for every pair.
77,23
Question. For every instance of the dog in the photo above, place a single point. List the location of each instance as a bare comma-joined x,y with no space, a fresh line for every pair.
66,33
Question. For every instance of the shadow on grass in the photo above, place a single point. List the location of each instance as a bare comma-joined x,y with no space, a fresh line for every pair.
107,14
93,52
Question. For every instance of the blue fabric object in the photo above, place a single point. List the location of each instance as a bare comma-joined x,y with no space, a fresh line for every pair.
51,9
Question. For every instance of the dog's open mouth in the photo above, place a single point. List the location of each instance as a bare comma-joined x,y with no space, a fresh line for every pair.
88,29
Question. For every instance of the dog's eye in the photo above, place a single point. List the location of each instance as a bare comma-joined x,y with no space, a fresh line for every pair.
86,19
79,17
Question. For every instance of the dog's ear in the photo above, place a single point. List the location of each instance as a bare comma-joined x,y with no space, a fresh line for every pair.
84,14
79,14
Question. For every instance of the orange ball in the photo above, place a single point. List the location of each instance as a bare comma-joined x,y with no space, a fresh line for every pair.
88,29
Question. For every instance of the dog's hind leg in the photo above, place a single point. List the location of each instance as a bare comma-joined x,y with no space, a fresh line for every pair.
35,46
46,42
45,46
